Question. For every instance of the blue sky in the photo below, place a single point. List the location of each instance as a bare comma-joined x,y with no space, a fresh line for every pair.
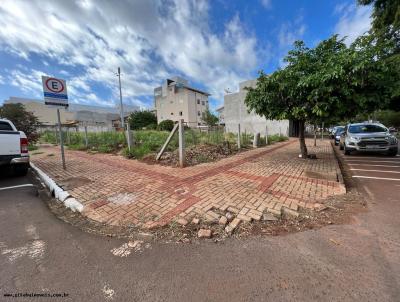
214,44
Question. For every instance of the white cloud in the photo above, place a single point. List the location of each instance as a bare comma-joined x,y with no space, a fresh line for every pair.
291,31
353,22
149,40
266,3
288,33
27,82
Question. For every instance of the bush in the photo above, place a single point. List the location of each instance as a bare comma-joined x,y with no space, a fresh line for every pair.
166,125
22,119
142,119
151,127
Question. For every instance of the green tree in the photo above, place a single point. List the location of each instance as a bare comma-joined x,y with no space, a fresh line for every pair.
322,83
22,119
142,119
166,125
209,118
385,34
385,19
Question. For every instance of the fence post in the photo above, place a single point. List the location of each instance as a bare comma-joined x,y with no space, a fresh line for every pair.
181,144
129,137
86,137
256,141
238,138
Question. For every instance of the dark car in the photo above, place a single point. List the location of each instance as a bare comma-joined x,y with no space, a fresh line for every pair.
337,134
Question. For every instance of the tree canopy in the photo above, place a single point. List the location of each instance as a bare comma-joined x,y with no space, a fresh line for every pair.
142,119
209,118
325,82
22,119
385,19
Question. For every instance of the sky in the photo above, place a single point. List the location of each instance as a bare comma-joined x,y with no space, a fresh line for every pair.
214,44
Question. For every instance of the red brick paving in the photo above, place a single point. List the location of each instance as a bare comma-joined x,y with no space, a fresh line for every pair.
128,192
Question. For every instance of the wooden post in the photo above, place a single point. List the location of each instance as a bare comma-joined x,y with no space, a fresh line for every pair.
167,142
238,138
181,144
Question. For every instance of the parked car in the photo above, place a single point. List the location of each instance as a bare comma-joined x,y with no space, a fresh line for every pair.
337,134
332,131
13,148
371,137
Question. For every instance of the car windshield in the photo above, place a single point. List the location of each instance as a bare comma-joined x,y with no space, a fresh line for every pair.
366,129
339,131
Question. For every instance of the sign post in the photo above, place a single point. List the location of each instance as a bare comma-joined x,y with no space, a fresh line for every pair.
55,94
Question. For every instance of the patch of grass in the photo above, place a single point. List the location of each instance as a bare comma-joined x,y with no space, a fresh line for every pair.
146,141
276,138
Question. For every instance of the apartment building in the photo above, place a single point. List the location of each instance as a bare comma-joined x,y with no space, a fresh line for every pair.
176,100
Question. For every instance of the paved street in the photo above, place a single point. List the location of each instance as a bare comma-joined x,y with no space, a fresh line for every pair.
359,261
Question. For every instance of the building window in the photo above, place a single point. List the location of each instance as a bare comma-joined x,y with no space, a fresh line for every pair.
198,101
203,103
198,113
180,113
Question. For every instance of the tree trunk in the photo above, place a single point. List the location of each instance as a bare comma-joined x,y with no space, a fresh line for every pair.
303,147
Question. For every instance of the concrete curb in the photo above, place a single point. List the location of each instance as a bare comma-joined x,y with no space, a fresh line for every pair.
338,169
58,192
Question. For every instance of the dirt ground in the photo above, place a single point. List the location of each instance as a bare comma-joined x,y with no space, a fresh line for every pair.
195,155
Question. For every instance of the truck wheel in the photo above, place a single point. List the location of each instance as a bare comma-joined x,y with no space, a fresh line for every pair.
21,170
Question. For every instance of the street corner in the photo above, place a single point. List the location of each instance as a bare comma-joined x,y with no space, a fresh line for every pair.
263,191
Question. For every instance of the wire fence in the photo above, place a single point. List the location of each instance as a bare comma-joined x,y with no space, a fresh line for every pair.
151,141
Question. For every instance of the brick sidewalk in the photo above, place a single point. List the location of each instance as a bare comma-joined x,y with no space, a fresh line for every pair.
118,191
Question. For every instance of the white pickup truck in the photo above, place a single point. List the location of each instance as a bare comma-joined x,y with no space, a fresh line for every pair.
13,148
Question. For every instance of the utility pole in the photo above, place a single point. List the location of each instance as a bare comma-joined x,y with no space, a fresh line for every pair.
120,99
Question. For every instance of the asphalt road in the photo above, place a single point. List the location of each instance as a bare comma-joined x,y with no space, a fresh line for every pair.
354,262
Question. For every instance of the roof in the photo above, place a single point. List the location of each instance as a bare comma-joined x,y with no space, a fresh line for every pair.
180,85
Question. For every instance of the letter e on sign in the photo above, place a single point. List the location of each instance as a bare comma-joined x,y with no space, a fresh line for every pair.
55,91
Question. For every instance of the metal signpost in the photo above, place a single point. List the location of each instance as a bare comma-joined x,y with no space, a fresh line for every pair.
55,94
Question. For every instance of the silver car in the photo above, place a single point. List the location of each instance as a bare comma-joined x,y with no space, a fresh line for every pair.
370,137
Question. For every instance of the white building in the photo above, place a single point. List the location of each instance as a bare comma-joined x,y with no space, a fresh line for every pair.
235,112
95,118
176,100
